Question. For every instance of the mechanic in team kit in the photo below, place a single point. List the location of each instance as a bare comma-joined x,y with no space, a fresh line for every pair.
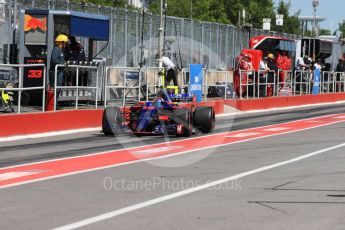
57,58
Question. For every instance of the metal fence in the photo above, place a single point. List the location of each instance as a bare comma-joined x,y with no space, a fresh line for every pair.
19,88
129,84
81,83
256,84
213,44
122,85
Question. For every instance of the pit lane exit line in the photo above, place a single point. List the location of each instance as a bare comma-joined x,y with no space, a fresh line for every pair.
75,165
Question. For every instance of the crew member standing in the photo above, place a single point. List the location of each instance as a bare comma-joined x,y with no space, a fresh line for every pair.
340,69
245,69
75,53
170,71
262,81
271,74
57,58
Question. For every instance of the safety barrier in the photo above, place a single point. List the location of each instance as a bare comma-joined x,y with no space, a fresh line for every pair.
266,83
218,80
153,80
123,84
332,82
285,81
339,82
75,86
121,81
257,84
20,89
298,83
253,84
247,83
302,82
147,81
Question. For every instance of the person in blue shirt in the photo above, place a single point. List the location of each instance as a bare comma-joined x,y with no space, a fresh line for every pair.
57,58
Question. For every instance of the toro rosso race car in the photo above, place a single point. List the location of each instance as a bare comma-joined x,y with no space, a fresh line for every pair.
161,117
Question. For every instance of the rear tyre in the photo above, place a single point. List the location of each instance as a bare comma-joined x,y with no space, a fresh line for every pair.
111,120
183,117
204,119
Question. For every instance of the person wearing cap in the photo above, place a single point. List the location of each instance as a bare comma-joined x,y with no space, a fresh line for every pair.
271,64
57,58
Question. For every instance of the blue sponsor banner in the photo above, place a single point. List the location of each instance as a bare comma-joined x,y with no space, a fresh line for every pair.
316,80
195,81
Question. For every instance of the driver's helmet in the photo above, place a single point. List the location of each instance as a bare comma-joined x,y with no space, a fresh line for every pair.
158,102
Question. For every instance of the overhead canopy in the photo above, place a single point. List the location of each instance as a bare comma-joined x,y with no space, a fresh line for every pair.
323,48
88,25
272,44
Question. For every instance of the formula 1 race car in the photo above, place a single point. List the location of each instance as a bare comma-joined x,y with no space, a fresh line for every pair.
160,117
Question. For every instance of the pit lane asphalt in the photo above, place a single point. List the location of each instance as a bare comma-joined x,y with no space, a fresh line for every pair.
307,194
41,149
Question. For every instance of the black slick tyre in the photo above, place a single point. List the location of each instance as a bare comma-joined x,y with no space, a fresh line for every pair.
204,119
111,120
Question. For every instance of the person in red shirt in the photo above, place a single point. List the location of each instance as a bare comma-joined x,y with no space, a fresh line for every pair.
280,59
244,69
287,65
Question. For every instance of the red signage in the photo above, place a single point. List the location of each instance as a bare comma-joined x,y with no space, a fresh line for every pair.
32,23
35,73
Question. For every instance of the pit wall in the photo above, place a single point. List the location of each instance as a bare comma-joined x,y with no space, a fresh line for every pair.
281,102
34,123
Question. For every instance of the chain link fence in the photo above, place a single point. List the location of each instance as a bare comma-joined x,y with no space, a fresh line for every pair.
134,36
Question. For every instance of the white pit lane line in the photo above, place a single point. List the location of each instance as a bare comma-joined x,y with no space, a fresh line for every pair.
49,134
161,199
